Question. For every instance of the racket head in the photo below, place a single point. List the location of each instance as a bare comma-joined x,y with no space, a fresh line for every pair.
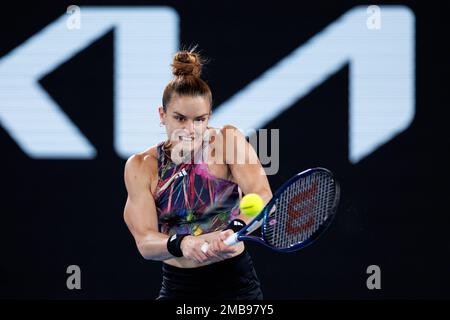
303,208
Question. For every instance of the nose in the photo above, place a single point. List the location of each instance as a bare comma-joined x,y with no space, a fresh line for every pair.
190,127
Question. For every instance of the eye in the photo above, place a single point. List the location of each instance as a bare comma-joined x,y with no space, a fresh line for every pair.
179,118
200,119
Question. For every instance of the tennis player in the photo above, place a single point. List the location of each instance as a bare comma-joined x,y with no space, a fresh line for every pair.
185,191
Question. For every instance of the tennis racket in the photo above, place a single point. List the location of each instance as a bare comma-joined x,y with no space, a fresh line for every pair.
298,213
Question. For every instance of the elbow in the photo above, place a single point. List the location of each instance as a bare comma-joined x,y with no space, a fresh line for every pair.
145,252
145,255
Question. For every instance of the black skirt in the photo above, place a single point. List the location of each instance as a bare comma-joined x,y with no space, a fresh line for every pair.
231,279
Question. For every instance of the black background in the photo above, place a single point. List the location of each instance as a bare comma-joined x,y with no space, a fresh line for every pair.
61,212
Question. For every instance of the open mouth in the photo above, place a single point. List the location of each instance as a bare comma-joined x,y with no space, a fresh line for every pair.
189,139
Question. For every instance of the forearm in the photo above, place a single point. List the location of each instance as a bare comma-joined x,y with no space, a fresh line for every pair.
154,247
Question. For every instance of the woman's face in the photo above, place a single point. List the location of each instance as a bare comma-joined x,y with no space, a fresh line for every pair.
186,120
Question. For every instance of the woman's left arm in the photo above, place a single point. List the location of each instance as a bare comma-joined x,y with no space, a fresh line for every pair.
244,165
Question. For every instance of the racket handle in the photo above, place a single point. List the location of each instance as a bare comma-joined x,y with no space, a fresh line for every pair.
231,240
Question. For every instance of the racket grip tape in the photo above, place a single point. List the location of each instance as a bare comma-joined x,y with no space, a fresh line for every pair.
231,240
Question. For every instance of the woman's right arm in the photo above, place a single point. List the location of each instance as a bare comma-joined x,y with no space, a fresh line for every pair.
142,220
140,211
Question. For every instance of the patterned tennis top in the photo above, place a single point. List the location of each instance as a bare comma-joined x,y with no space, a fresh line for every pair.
186,191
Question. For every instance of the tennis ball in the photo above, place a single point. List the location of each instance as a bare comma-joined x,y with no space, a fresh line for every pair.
251,204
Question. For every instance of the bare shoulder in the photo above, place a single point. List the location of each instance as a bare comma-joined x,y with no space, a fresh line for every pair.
225,132
233,138
142,166
230,130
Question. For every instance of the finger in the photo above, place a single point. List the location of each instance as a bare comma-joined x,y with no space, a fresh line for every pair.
217,244
193,258
202,257
214,246
223,250
226,248
196,261
225,234
210,252
196,258
214,255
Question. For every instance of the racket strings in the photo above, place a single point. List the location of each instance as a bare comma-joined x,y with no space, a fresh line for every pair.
300,210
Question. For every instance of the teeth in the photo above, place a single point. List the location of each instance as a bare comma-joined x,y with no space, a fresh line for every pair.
186,138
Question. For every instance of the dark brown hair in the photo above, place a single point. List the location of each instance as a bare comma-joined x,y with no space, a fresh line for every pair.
186,68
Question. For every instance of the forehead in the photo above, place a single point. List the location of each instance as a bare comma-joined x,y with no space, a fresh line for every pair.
190,106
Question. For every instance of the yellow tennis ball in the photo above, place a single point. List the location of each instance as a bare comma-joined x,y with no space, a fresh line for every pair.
251,204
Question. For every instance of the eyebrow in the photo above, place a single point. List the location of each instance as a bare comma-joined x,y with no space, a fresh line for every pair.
182,115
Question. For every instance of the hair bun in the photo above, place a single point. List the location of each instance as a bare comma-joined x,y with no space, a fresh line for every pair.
187,63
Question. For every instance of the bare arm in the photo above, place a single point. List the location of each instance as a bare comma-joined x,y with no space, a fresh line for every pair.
245,166
140,211
247,171
141,217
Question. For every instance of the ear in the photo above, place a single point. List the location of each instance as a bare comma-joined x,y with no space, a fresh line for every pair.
162,114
